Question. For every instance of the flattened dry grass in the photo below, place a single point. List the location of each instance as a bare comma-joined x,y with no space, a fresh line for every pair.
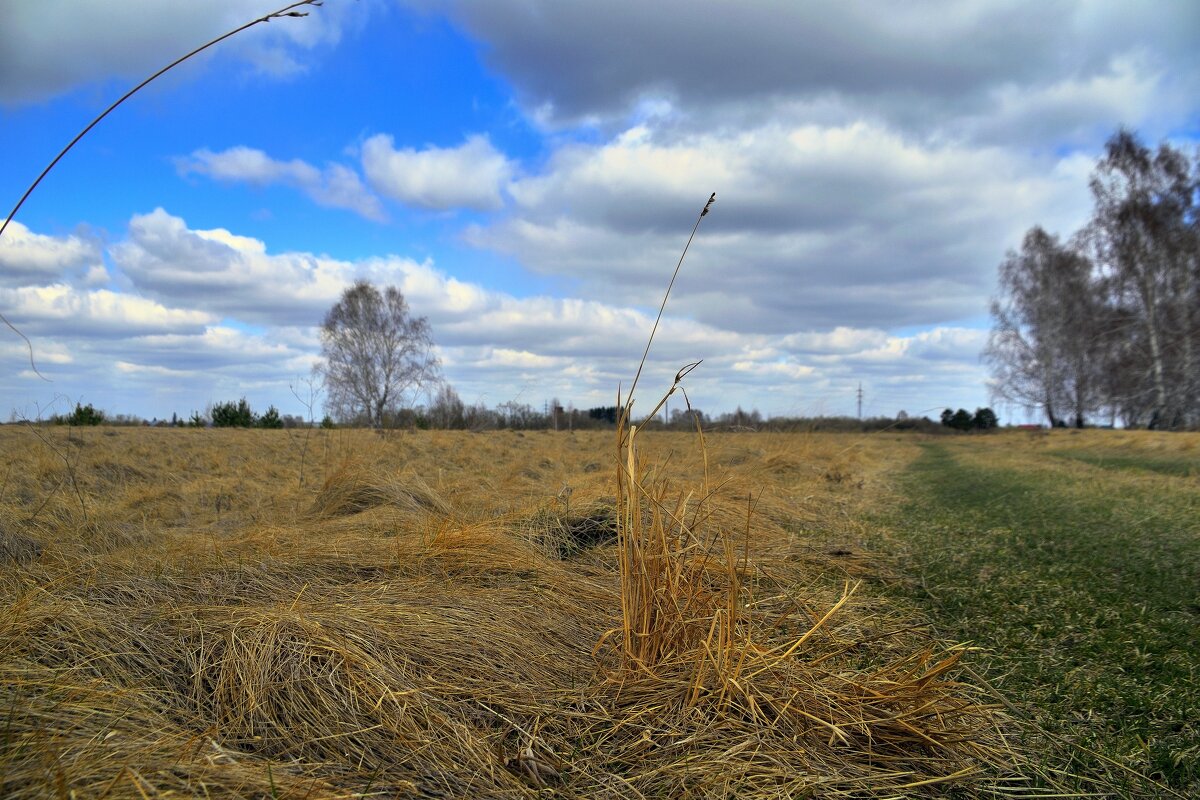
446,615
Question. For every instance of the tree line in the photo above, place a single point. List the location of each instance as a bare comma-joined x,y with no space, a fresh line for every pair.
377,358
446,411
1106,324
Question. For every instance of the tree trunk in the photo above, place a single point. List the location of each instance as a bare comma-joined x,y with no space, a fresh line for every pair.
1049,405
1150,309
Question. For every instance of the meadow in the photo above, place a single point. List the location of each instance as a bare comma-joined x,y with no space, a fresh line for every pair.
337,614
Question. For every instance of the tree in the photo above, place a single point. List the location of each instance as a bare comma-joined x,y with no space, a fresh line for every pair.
606,414
82,415
1146,235
446,411
960,420
1043,349
687,418
270,418
85,415
232,415
376,355
985,419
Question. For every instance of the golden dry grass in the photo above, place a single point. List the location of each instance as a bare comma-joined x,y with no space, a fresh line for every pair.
446,615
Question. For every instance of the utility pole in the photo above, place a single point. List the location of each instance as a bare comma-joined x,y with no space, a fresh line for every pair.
860,400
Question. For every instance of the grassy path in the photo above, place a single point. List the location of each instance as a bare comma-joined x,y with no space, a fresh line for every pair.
1081,586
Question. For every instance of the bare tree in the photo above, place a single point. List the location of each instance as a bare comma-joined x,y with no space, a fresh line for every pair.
446,410
1111,320
1144,234
1044,349
377,356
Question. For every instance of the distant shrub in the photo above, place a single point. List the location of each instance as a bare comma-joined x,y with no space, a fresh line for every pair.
605,414
327,422
962,420
985,419
270,418
82,415
232,415
85,415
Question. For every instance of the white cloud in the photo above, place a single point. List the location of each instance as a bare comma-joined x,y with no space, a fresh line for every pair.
183,340
1074,110
814,226
62,309
226,274
335,186
837,341
48,352
468,176
27,257
128,368
778,370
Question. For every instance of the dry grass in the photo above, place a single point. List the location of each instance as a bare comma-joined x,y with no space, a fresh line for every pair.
461,615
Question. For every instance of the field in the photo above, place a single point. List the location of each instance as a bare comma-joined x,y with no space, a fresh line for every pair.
211,613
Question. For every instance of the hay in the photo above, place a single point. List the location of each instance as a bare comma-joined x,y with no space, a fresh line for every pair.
405,633
354,488
17,548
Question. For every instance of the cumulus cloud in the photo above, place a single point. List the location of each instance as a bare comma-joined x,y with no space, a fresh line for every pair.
214,314
50,48
227,274
468,176
819,226
1074,110
220,349
35,258
61,309
14,352
335,186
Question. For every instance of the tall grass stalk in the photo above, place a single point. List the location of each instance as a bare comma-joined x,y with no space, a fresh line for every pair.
669,605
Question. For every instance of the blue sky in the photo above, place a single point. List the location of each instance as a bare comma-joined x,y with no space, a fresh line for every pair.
528,172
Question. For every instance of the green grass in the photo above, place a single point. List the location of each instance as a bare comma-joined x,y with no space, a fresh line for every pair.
1180,466
1082,588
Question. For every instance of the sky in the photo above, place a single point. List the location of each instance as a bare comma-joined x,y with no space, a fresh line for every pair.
527,173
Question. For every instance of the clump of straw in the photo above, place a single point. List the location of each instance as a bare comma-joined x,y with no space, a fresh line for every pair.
692,650
353,489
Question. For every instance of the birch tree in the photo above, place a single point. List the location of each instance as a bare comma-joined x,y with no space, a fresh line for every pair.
1042,348
1144,235
376,355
